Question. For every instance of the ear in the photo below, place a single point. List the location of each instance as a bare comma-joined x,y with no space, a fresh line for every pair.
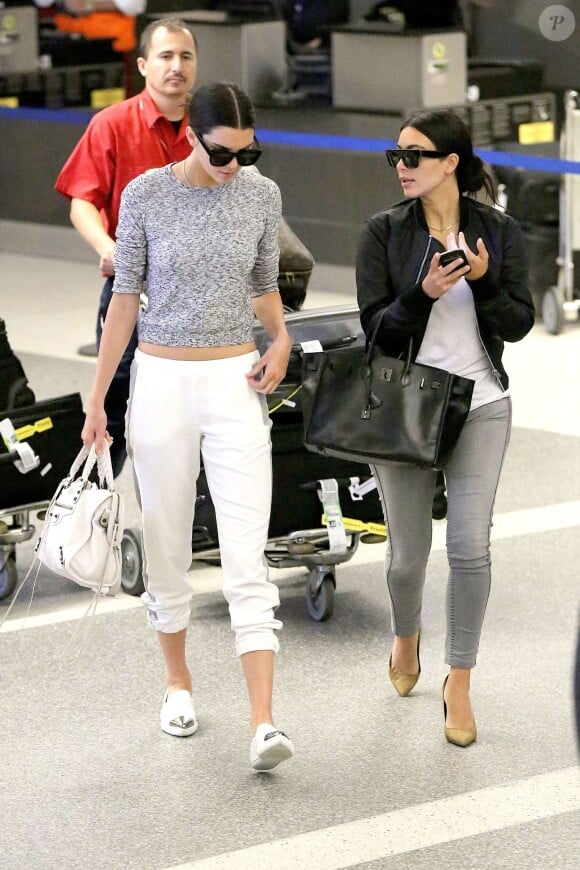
191,137
452,163
141,65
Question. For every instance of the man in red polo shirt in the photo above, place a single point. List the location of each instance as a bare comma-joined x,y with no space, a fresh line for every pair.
121,142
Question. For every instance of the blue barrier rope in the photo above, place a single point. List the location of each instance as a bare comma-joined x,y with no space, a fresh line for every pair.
54,116
324,141
353,143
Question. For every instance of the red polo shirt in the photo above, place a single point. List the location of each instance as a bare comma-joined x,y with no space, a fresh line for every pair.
120,143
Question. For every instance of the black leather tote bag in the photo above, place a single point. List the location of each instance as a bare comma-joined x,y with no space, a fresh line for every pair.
362,405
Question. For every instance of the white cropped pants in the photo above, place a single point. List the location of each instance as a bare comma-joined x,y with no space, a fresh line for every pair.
178,409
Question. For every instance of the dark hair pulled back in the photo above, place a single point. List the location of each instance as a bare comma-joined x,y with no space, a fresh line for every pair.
220,104
448,133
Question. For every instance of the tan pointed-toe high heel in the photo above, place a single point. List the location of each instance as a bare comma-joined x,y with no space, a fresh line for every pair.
457,736
403,683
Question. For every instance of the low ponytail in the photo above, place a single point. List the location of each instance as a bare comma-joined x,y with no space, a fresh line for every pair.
472,176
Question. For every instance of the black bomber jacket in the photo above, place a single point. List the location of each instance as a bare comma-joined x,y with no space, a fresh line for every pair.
393,257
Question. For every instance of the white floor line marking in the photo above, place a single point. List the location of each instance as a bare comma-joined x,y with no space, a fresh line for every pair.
529,521
70,614
207,580
539,519
411,828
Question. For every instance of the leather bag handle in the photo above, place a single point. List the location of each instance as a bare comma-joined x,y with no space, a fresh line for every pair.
89,457
370,345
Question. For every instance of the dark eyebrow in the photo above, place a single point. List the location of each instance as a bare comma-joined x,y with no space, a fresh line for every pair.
213,146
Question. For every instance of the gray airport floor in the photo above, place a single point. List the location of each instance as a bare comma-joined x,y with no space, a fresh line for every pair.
88,780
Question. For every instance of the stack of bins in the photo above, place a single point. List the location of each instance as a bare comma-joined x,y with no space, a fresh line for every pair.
533,199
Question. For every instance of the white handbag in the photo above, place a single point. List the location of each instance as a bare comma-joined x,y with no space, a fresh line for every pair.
82,532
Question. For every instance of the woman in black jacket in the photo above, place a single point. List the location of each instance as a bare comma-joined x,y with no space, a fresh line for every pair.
457,317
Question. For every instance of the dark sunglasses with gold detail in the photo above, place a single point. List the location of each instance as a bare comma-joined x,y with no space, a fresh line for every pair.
411,156
220,156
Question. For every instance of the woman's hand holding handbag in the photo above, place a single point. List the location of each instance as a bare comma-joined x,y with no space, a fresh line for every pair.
83,529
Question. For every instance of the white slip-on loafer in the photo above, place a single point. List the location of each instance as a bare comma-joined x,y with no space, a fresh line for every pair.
269,747
177,715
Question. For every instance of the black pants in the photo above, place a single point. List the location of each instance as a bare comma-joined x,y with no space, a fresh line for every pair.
118,394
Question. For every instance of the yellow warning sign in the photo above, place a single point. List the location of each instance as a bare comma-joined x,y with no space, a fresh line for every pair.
536,132
102,97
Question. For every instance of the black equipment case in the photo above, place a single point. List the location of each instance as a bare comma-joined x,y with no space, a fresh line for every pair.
533,199
332,327
295,501
502,77
296,504
55,436
14,389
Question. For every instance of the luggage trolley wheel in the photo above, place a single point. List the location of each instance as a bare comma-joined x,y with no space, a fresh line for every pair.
132,563
320,592
8,572
553,310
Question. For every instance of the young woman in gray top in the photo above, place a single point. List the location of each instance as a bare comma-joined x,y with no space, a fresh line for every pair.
203,236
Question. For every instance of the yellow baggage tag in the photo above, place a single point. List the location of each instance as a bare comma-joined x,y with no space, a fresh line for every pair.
31,429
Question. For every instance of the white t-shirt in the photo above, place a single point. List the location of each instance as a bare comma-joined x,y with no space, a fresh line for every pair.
452,342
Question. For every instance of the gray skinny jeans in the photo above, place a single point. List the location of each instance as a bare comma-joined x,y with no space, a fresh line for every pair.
472,475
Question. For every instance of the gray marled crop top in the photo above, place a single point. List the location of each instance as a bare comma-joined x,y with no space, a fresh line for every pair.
204,252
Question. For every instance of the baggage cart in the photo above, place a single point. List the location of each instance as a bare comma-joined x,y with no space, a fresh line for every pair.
561,301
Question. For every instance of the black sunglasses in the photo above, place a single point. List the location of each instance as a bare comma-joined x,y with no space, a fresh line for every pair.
411,156
220,156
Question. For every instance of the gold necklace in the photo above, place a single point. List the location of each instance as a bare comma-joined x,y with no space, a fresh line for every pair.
443,229
186,176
